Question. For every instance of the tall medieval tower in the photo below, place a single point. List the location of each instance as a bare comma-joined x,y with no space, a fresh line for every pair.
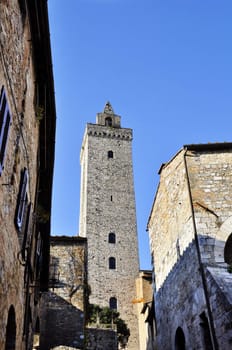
108,216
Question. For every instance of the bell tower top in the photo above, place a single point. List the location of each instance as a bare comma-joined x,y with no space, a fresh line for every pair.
108,118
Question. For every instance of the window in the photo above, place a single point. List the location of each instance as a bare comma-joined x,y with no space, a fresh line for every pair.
5,119
108,121
112,263
110,154
112,238
113,303
22,200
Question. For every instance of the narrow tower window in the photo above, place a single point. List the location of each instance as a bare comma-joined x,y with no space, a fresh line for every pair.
113,303
112,263
108,121
112,238
110,154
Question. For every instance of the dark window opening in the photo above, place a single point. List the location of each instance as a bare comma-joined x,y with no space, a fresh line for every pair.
205,331
113,303
112,237
5,119
228,250
179,339
108,121
11,330
110,154
112,263
111,198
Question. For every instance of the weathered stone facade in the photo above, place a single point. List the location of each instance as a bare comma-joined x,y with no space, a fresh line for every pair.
26,167
144,303
100,338
108,217
190,238
63,310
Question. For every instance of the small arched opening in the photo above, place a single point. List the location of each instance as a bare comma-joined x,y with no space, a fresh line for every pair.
179,339
112,238
11,330
110,154
113,303
112,263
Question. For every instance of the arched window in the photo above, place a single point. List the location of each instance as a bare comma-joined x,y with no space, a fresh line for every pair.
113,303
228,250
11,330
112,263
108,121
110,154
179,339
112,238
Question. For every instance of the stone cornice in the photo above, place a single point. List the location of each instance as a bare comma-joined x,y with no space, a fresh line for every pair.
109,132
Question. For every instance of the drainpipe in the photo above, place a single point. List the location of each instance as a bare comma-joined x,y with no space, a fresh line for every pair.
201,267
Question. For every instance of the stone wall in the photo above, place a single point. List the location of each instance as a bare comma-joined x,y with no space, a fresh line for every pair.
61,323
63,309
101,339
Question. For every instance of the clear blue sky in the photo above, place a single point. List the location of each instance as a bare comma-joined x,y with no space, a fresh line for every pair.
166,68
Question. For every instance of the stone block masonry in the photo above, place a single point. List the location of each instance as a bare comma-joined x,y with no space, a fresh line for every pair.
63,309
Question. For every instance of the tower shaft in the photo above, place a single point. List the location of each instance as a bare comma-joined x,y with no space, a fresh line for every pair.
108,216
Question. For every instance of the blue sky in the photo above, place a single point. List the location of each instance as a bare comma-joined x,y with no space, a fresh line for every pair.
166,68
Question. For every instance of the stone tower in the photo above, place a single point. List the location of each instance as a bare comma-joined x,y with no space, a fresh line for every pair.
108,216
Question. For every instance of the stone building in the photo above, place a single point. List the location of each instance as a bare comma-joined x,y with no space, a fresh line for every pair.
27,134
191,244
63,307
108,217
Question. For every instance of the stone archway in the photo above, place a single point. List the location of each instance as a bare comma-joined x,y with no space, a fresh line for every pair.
222,238
11,330
179,339
228,250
